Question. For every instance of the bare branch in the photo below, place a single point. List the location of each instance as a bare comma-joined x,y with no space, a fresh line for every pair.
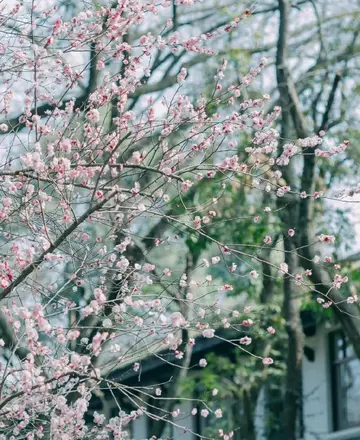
30,269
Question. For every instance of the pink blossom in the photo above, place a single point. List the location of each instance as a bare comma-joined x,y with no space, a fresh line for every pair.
93,115
175,412
136,366
254,274
245,340
177,319
218,413
182,75
202,363
284,268
326,238
267,361
209,333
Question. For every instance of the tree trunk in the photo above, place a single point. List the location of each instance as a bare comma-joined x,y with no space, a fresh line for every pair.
158,424
248,425
347,314
295,344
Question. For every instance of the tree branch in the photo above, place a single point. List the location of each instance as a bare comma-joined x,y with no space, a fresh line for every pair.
329,105
30,269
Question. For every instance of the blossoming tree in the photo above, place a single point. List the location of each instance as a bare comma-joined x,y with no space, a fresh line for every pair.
88,189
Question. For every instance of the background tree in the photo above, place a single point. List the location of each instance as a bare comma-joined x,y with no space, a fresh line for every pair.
98,179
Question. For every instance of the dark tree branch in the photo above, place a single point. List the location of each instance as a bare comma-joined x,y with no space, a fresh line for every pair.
329,105
30,269
314,104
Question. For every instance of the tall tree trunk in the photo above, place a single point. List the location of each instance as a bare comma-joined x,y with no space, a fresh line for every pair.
174,391
289,214
293,390
248,424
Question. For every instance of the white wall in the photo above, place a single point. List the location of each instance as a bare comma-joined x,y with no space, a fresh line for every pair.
316,388
139,428
186,423
260,416
317,404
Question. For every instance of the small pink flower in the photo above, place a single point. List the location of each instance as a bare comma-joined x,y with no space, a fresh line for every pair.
99,195
61,339
209,333
93,115
218,413
267,361
326,238
245,340
291,232
204,413
182,75
158,391
178,320
284,268
202,363
175,413
136,366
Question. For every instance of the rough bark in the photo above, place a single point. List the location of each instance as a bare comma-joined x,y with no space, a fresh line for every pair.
289,213
295,344
181,371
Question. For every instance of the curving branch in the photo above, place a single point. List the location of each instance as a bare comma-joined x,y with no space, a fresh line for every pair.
30,269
